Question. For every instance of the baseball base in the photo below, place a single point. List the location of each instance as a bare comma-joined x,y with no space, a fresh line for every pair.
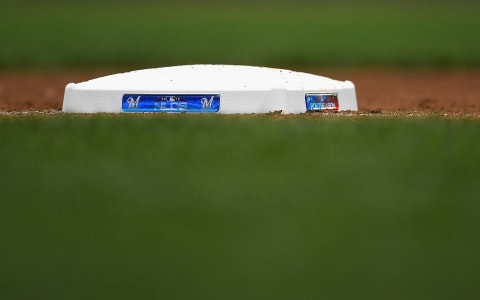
224,89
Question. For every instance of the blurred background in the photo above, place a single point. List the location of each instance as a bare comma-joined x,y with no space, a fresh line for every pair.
238,207
302,33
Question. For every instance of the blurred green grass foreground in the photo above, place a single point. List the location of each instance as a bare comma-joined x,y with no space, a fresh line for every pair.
54,34
229,207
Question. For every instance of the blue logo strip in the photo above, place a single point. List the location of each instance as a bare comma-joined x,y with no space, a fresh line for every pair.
316,102
170,103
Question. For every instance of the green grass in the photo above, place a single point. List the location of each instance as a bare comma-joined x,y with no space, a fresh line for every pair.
226,207
440,34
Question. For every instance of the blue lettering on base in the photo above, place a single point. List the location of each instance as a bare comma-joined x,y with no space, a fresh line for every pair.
170,103
316,102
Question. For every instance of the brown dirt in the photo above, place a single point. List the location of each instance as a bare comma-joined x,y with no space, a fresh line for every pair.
378,91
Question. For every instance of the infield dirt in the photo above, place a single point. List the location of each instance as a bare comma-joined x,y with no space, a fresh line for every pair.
378,91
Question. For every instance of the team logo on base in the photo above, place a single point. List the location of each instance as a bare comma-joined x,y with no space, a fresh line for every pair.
317,102
170,103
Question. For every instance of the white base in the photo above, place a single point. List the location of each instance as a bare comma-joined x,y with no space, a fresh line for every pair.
243,89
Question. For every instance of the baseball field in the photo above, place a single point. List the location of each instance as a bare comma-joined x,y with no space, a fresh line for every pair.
383,203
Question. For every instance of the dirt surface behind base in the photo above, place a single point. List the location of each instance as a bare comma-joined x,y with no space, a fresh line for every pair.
378,91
